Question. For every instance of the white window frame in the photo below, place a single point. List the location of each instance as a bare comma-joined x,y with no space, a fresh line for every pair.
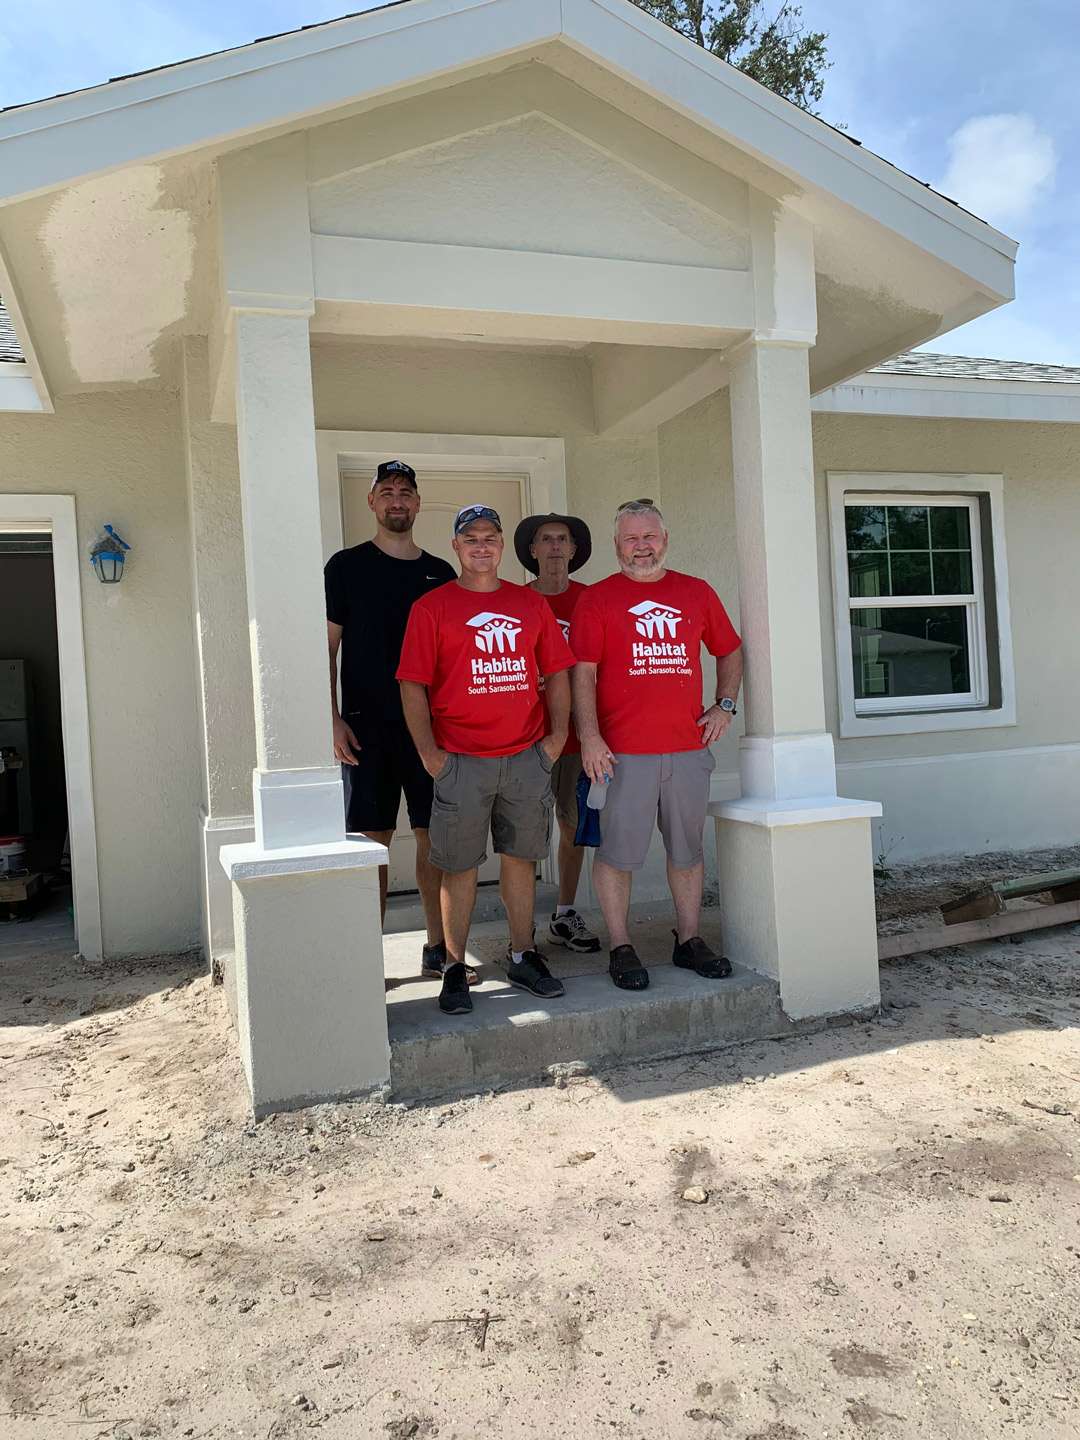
911,715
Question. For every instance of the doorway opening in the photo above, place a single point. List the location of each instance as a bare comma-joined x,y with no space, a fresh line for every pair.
35,856
49,897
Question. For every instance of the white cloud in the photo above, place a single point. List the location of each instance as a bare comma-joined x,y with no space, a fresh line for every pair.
1000,166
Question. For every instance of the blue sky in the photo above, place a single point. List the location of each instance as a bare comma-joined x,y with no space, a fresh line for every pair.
979,97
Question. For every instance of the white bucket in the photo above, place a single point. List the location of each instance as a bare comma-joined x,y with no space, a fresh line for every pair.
12,854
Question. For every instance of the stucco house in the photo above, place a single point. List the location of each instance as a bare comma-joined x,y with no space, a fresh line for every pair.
555,255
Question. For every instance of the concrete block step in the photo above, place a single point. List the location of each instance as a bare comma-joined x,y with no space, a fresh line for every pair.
512,1037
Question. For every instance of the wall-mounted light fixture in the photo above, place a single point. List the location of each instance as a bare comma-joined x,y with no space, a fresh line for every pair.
107,556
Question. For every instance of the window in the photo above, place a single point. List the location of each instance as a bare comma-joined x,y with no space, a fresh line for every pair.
918,639
919,604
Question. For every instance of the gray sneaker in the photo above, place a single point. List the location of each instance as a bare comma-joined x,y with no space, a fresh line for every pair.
570,931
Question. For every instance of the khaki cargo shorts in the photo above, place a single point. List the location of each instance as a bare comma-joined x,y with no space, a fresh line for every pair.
671,791
510,795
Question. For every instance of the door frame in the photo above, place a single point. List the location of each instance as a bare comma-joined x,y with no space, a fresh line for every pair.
540,460
56,513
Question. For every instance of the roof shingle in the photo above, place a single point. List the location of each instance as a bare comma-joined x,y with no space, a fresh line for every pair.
10,350
969,367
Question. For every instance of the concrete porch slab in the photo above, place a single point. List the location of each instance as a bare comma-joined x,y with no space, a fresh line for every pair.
512,1037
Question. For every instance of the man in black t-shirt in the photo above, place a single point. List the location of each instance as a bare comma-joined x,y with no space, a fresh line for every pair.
370,590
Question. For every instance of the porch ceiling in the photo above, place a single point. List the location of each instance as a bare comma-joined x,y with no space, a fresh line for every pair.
108,224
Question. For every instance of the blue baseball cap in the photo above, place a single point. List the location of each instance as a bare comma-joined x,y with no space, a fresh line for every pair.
470,513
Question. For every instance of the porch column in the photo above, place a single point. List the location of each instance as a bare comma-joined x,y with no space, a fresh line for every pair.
795,860
310,994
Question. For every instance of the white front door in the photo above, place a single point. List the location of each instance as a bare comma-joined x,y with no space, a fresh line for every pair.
442,494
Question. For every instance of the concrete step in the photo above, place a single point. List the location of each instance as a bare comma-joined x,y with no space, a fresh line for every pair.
512,1037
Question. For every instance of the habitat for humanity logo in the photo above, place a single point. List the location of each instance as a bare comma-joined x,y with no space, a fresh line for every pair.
655,621
495,633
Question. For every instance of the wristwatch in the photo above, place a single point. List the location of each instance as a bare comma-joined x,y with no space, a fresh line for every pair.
727,705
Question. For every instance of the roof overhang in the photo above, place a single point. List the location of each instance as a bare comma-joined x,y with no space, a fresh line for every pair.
939,397
873,221
232,97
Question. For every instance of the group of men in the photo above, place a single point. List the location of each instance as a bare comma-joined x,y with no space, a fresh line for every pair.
485,702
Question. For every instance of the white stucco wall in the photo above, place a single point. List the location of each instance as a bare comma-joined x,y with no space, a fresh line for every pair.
121,456
949,790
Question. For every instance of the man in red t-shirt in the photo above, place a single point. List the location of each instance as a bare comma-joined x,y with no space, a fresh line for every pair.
552,547
474,655
637,638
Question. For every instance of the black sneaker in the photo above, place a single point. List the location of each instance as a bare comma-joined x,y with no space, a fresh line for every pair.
433,963
570,930
694,954
626,970
533,975
454,997
433,960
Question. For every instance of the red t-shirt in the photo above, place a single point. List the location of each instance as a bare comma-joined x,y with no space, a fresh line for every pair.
481,655
645,638
564,606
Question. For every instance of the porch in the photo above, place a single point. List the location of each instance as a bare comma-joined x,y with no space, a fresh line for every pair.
512,1037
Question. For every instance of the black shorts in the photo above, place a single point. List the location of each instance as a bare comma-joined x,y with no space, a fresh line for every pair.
385,766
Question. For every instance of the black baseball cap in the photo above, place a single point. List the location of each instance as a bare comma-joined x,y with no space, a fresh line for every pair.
392,469
470,513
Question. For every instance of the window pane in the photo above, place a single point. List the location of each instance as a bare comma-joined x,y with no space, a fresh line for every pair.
865,527
910,651
952,572
909,527
868,572
911,573
949,527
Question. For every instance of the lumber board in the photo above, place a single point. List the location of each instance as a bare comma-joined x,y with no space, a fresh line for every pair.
972,906
1009,922
1034,884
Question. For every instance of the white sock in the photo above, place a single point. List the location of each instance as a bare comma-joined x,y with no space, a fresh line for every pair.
517,956
562,910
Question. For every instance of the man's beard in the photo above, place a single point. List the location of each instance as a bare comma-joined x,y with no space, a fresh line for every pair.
398,524
643,567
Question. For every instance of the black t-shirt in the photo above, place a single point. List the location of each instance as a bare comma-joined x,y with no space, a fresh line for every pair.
369,594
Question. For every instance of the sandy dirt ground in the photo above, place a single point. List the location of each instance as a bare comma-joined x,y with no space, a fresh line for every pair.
887,1242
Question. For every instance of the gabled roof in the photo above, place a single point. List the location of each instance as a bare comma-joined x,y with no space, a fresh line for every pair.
896,263
10,349
390,5
967,367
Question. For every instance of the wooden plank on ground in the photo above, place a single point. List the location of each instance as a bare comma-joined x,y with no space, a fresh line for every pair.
975,905
1010,922
1035,884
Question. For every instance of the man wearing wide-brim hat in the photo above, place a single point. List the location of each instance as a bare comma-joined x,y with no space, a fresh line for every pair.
553,547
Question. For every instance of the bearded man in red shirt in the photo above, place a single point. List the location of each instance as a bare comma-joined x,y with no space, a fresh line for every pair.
637,638
474,655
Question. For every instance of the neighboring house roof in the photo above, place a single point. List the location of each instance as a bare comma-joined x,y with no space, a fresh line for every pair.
921,385
968,367
10,350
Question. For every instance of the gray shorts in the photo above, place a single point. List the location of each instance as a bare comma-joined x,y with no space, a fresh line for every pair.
669,790
510,795
564,780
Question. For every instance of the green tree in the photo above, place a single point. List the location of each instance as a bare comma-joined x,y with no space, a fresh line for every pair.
779,52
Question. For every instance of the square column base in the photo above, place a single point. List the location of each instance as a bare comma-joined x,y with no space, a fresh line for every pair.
797,892
308,966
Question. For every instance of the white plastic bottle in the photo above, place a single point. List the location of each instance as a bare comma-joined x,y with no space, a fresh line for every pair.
598,792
